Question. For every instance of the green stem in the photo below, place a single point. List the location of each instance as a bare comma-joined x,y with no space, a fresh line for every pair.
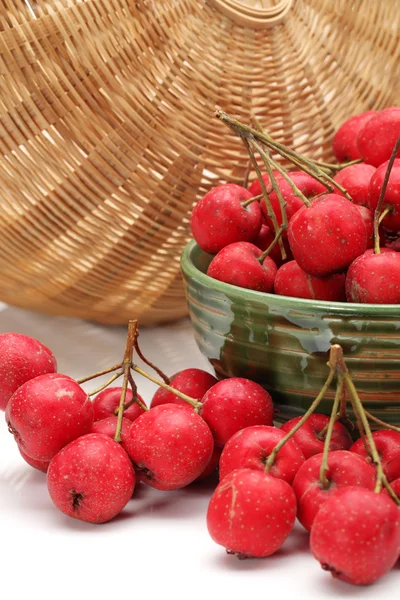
135,398
381,423
359,409
127,362
266,252
247,174
324,465
246,203
332,364
379,206
196,405
99,374
106,384
337,167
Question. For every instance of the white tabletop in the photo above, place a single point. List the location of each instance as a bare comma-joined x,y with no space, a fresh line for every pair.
159,546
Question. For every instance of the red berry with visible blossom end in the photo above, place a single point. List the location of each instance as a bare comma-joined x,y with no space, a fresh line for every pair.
106,404
388,445
326,237
250,448
309,186
108,426
48,412
238,265
377,138
374,278
291,280
251,513
344,143
170,446
355,179
344,468
39,465
22,358
309,439
356,535
265,239
192,382
91,479
233,404
220,219
392,195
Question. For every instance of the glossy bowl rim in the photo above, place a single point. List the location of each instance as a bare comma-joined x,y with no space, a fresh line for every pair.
348,308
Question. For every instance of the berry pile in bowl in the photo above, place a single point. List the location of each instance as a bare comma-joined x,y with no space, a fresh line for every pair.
96,449
304,257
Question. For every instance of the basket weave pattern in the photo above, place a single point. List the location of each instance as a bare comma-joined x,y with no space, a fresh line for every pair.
107,135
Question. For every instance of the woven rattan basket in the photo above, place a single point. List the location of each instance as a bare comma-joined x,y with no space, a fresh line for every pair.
107,135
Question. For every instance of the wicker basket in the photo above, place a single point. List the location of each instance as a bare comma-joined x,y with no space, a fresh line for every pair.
107,135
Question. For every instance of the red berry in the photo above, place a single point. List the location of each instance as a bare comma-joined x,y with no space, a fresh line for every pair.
48,412
22,359
291,280
238,265
192,382
356,535
368,219
250,448
233,404
377,138
326,237
251,513
106,403
374,278
308,436
255,187
344,469
388,445
392,195
170,446
219,219
395,485
213,464
355,179
265,239
40,465
108,426
344,142
91,479
306,184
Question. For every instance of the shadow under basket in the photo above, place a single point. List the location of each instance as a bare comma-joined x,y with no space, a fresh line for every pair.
107,133
283,343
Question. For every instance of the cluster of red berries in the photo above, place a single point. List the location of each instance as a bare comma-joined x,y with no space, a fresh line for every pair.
95,451
327,238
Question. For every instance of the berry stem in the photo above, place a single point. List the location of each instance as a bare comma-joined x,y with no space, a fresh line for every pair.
247,174
339,166
196,405
148,362
359,410
127,362
248,133
334,414
332,364
268,204
276,239
135,397
381,423
99,374
379,206
106,384
246,203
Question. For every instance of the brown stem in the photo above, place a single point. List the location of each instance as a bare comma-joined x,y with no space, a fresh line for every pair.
135,398
127,362
379,206
335,407
99,374
334,357
266,252
195,403
381,423
149,363
247,175
359,409
106,384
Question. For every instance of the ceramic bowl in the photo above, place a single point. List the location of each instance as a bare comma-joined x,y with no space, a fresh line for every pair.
283,343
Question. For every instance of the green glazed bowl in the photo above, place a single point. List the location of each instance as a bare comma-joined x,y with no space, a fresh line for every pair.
283,343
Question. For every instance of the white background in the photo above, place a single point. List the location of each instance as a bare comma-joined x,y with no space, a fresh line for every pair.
159,546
